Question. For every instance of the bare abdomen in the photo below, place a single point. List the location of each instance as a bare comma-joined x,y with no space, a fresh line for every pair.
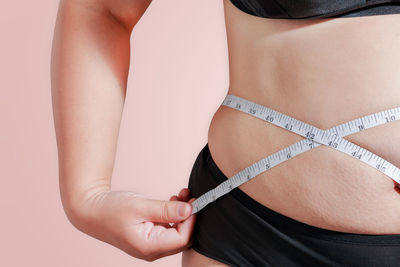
324,73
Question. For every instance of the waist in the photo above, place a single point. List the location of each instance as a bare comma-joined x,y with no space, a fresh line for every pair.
322,187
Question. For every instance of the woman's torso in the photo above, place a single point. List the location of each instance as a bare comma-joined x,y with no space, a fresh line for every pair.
324,72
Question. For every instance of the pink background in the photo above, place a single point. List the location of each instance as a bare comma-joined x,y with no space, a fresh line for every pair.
179,68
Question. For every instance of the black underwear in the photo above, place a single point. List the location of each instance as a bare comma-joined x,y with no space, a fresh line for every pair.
239,231
309,9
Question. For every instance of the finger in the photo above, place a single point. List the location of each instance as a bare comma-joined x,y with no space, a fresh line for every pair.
174,197
174,239
164,241
183,229
175,225
189,202
162,210
184,194
170,241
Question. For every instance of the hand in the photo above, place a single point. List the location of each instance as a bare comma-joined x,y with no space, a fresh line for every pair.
138,225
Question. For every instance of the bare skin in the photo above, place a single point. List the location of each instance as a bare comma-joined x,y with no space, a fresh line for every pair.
324,72
89,68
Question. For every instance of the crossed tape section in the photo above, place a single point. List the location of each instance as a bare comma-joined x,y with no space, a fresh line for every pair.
314,137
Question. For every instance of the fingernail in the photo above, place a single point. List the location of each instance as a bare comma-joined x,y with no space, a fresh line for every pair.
182,210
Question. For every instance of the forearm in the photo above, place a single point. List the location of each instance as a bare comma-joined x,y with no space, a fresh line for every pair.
89,68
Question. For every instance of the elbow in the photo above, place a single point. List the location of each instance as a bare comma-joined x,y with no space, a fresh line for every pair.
75,213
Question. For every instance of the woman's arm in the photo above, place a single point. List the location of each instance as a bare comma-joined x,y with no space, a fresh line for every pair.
90,63
89,69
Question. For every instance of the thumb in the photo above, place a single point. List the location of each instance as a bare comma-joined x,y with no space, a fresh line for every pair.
165,211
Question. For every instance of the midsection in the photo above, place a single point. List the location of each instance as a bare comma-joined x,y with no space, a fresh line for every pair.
324,72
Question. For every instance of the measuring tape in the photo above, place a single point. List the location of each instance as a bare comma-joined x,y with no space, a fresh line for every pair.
314,137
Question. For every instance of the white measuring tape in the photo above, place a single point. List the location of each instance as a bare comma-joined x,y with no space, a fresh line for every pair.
314,137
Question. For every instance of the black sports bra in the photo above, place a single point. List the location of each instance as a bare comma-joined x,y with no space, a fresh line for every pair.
305,9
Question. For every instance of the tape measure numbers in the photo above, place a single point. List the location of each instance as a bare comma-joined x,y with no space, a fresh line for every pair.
314,137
